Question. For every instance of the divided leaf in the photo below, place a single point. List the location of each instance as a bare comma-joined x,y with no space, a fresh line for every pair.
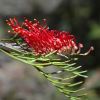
64,70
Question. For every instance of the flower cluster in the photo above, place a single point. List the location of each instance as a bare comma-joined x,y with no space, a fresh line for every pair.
43,40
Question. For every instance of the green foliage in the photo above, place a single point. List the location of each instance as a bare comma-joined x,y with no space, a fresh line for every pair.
65,68
94,31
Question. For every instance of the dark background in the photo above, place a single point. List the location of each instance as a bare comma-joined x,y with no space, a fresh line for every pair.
19,81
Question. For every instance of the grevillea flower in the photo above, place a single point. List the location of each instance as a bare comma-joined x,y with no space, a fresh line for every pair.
43,40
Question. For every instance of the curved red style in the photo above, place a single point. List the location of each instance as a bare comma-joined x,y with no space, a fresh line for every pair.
41,39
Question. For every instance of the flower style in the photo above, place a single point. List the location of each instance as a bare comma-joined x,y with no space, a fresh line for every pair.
43,40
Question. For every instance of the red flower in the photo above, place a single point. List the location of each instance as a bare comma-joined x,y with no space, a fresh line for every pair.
41,39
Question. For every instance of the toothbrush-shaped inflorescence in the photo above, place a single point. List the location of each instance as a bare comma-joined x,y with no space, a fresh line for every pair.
43,40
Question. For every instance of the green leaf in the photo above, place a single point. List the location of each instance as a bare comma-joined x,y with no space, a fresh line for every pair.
67,70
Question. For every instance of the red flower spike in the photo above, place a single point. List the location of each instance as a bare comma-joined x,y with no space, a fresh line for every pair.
41,39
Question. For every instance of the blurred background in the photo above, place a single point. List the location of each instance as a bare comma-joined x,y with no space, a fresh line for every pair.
19,81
